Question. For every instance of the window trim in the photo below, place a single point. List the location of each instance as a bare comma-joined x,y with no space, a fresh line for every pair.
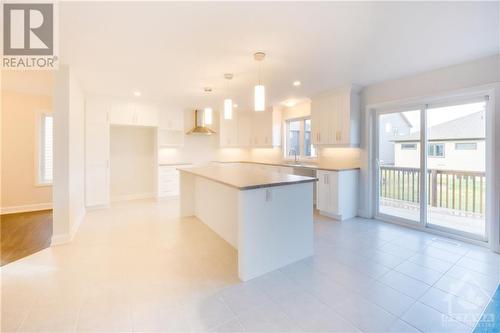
436,143
40,114
301,139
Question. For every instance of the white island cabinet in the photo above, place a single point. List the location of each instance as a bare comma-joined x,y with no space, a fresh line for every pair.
266,216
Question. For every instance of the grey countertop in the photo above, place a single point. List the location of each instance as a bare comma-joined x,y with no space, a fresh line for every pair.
303,166
242,179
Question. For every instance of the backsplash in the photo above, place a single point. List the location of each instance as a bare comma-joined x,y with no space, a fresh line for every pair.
328,157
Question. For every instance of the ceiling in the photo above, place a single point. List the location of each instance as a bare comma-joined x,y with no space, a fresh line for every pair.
170,51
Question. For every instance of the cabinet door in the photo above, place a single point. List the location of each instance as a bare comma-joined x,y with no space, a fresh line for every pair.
323,191
327,192
341,120
170,119
146,115
321,120
121,113
228,132
96,153
262,128
266,126
333,184
244,129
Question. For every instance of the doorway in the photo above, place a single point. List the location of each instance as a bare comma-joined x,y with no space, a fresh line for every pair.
431,162
132,170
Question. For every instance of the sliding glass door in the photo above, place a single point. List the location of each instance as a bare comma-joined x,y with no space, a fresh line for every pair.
431,166
398,165
456,161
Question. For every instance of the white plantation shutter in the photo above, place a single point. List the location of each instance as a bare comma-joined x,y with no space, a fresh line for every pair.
46,151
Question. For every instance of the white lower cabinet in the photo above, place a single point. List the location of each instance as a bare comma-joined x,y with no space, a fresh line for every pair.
337,195
168,181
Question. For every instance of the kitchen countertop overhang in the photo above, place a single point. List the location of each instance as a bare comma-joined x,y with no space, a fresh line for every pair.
242,179
300,166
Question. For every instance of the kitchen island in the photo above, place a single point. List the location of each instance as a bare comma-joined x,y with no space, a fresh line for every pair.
266,216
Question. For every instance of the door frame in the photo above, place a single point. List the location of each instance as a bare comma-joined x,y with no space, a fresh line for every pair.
492,226
376,174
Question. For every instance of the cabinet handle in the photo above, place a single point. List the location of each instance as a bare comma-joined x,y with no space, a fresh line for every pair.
340,135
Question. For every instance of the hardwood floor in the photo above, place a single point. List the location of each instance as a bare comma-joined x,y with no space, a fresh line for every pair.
23,234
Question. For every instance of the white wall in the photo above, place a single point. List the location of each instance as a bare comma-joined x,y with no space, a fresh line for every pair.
20,135
68,185
430,84
132,162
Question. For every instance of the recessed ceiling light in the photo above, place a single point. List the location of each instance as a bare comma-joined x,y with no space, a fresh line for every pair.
137,93
296,83
235,105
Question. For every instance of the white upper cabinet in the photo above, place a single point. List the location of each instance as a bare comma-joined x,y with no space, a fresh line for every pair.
128,113
121,113
146,115
171,119
335,117
170,128
244,128
228,131
251,129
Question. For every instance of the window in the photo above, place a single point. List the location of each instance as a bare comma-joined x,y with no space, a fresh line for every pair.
309,150
298,138
436,150
466,146
45,149
408,146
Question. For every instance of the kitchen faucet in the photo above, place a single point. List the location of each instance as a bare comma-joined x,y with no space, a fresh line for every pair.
295,155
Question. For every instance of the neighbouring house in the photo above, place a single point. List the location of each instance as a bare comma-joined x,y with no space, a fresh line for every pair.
458,145
391,127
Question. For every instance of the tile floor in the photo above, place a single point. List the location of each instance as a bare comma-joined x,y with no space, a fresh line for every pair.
137,267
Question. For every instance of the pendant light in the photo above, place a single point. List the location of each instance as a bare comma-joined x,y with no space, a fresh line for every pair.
228,103
207,112
259,90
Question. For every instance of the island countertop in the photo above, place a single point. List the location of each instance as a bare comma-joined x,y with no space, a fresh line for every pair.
312,166
243,179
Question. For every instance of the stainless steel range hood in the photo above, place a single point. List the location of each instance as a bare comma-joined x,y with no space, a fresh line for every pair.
198,126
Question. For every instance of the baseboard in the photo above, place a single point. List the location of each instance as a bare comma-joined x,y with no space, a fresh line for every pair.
26,208
96,207
135,196
67,238
330,215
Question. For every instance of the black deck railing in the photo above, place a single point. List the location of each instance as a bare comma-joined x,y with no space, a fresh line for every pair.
458,190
